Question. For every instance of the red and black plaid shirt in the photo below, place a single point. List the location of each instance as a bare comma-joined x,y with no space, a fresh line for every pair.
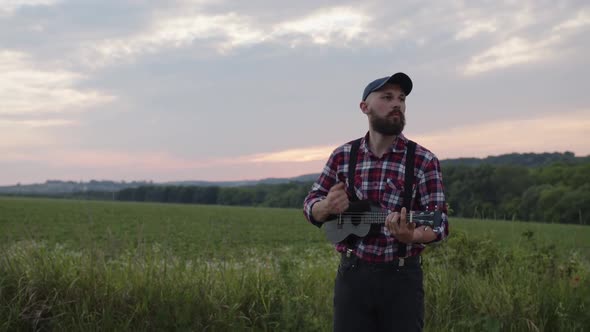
381,180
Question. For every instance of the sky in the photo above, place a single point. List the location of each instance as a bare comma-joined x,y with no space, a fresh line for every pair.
244,90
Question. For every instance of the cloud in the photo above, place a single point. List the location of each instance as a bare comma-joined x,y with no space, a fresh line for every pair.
521,50
37,123
472,28
582,19
513,51
155,161
164,161
103,159
8,7
559,132
177,32
25,88
225,32
326,26
547,133
16,140
308,58
293,155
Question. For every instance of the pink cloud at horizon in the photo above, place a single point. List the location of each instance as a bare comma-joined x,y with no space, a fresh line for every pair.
550,133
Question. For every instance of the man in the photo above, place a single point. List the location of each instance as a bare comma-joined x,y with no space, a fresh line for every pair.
379,281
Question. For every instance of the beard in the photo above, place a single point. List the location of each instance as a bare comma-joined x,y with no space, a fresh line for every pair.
387,126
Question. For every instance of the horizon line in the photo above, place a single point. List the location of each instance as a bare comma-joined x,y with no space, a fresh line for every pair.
263,178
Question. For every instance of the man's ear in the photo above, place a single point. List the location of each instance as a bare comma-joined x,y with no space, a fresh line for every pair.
364,107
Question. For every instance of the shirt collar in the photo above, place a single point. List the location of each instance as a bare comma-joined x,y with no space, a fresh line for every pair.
398,145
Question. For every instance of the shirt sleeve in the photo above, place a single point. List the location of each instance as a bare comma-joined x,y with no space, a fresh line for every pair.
432,195
321,187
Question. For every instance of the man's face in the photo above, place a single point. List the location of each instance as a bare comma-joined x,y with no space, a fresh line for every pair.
386,110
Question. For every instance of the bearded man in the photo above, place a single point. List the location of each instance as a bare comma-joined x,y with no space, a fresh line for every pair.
379,282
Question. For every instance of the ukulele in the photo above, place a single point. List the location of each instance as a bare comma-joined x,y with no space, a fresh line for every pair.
360,215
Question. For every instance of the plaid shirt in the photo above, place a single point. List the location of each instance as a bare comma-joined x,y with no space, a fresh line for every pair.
381,180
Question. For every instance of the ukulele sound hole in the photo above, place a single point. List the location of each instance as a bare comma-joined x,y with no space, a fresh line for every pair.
355,220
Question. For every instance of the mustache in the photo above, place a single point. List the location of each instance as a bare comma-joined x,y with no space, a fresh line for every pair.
396,112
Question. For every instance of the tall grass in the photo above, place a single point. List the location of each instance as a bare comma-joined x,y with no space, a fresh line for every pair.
474,284
52,288
96,266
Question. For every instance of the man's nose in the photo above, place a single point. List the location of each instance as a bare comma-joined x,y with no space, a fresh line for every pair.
396,103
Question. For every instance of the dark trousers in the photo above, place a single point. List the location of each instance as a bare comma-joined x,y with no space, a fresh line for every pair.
378,298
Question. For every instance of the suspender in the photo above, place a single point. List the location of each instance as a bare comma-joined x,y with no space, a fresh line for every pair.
409,175
351,239
408,188
408,182
352,168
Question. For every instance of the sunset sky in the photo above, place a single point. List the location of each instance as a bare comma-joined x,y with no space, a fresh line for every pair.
237,90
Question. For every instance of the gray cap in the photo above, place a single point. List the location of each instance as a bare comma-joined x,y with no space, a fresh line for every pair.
400,79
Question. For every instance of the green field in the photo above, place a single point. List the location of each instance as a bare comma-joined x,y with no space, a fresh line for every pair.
90,265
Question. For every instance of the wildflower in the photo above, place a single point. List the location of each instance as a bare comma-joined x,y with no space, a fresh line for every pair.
575,282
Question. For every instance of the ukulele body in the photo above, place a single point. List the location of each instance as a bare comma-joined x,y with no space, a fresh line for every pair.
351,222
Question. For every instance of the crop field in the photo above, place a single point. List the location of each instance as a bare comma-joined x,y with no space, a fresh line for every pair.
91,265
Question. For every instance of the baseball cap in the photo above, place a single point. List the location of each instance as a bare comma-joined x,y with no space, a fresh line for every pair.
401,79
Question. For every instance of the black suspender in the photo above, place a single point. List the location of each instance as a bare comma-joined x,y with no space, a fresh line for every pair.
409,175
352,168
351,239
408,188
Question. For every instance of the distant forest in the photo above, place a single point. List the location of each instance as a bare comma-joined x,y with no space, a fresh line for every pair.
548,187
515,187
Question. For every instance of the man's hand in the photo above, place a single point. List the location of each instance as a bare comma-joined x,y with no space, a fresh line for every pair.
399,226
336,202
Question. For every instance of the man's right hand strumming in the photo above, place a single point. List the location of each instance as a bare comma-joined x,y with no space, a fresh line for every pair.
336,202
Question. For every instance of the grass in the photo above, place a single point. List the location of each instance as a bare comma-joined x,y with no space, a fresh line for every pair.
88,265
187,230
218,231
52,288
515,233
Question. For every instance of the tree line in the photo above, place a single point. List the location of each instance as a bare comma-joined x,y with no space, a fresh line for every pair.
284,195
557,193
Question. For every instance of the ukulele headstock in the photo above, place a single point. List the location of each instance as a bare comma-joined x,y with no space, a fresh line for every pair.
426,218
